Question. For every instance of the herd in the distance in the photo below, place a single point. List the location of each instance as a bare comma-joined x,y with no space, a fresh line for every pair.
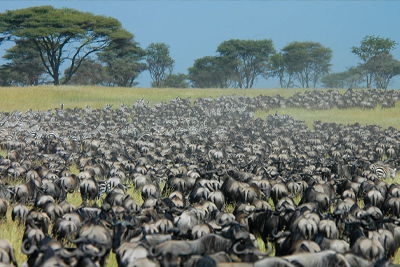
213,180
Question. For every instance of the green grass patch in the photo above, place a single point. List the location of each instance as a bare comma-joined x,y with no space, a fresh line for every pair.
74,169
165,192
3,153
136,195
229,208
297,199
396,257
384,118
112,260
394,180
360,203
271,203
261,246
48,97
13,232
75,199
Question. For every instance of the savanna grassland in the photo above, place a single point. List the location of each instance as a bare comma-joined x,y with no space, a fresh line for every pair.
50,97
46,97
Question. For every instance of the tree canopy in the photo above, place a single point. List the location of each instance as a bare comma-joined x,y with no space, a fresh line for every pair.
210,72
176,81
248,59
25,66
353,77
309,61
64,45
386,67
159,63
280,68
61,35
90,72
123,59
371,52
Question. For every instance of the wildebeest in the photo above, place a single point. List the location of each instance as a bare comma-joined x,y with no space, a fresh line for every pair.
212,157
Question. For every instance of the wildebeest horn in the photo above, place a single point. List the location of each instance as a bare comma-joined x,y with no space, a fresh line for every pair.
31,250
290,208
80,239
153,252
276,234
367,222
258,252
339,212
89,253
236,251
279,209
67,254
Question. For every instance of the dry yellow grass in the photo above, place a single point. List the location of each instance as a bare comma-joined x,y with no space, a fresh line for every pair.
3,153
13,232
47,97
229,208
382,117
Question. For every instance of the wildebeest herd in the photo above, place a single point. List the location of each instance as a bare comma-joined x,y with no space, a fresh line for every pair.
321,197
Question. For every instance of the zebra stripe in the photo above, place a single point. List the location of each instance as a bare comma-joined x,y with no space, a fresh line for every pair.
104,188
383,171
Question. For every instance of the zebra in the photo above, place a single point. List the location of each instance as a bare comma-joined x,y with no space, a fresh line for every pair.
104,188
383,170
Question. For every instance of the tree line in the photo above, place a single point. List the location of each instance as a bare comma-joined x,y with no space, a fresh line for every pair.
96,50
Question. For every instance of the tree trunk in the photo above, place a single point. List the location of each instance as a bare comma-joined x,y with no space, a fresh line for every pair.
56,80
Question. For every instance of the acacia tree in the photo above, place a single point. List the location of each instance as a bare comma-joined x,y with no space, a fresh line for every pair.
176,81
386,67
25,65
279,68
370,52
356,77
61,35
210,72
353,77
249,59
123,59
159,63
7,76
334,80
309,61
90,72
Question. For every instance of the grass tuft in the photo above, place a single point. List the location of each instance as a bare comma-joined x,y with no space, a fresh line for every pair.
49,97
3,153
271,203
297,199
135,194
165,192
341,116
261,246
74,169
229,208
74,199
13,232
360,203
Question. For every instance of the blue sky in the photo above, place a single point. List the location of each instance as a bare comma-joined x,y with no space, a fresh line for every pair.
194,29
